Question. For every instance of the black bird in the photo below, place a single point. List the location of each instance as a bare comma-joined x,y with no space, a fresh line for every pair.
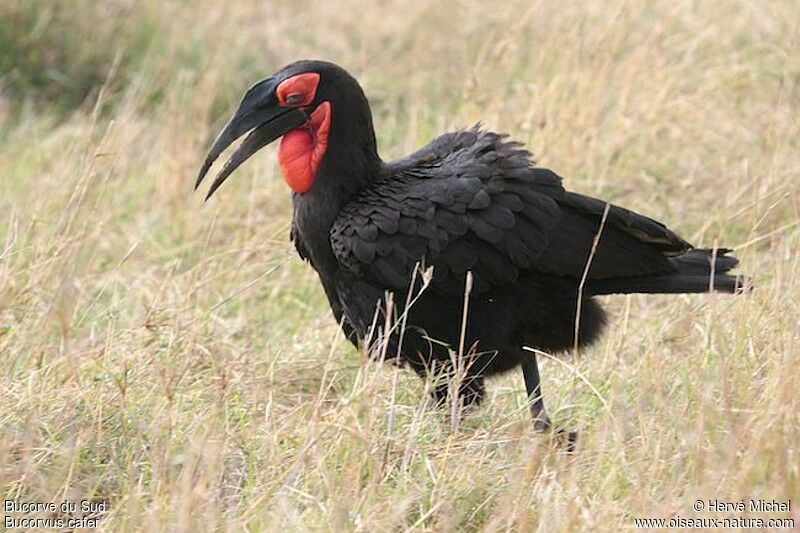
469,202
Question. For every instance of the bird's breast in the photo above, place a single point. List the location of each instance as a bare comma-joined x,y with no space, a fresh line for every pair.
312,221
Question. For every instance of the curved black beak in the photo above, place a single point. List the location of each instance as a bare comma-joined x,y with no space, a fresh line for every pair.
259,114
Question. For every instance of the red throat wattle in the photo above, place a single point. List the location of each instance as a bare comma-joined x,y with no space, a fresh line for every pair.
302,149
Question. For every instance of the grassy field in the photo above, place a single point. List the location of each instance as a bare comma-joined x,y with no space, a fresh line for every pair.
177,361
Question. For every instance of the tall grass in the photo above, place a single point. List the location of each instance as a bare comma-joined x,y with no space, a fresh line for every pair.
178,361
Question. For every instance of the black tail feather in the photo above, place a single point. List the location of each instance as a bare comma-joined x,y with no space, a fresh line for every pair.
698,261
694,274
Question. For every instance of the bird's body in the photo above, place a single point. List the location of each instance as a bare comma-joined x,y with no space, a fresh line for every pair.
469,202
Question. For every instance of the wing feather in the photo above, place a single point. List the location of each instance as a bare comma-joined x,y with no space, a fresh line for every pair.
472,201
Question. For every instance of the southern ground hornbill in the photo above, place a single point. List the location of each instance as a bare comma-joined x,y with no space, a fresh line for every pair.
469,202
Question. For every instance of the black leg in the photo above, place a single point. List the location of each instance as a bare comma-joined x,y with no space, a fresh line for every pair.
541,422
530,370
470,393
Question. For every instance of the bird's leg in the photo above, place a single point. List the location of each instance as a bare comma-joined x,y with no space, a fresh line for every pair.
470,393
530,370
471,389
541,422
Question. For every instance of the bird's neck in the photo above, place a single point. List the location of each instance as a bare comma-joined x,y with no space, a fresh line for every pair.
349,166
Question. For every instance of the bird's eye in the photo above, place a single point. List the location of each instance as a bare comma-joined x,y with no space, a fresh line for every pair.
294,98
299,90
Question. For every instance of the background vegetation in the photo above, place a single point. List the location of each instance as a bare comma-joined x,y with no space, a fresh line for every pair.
178,361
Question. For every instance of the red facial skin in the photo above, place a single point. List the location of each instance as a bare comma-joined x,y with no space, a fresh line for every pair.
301,150
302,85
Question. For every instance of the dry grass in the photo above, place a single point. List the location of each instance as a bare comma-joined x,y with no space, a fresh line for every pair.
179,361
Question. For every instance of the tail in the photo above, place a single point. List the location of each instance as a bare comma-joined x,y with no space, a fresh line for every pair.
698,270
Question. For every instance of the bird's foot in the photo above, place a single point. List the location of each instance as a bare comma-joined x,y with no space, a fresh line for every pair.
566,439
562,437
541,422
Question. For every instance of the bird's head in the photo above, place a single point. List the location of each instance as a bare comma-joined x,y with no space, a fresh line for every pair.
298,103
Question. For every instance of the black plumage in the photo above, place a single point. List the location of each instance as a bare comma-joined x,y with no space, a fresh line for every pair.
469,202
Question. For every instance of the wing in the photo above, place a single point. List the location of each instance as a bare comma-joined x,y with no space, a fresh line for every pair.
629,245
471,201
